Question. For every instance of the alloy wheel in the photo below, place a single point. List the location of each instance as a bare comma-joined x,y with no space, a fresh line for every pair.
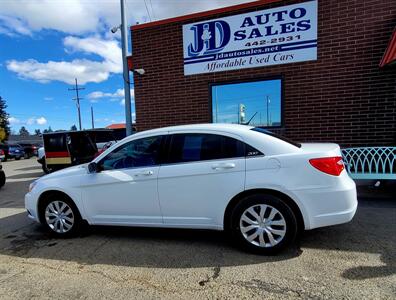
59,216
263,225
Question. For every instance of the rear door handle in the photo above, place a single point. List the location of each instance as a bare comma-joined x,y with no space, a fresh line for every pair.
223,166
145,173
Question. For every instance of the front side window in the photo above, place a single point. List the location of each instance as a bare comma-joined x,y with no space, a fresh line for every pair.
259,102
138,153
196,146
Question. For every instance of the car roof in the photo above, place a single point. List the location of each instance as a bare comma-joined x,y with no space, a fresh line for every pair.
78,131
232,128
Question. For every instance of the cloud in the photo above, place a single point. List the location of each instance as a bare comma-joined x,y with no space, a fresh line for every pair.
87,24
41,121
114,97
14,121
30,121
48,98
13,26
83,69
86,17
109,50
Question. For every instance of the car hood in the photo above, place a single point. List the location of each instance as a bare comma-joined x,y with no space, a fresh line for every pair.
71,171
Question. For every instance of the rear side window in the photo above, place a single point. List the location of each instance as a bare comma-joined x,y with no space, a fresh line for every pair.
264,131
196,146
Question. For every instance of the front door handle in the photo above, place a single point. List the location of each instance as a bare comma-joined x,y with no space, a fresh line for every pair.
145,173
223,166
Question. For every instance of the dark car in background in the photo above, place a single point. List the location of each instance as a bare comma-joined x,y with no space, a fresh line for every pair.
30,149
16,151
69,148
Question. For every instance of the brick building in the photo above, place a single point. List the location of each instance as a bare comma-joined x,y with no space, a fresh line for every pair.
332,90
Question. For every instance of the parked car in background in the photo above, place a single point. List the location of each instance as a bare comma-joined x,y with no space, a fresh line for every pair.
16,151
30,149
2,176
2,155
259,187
5,149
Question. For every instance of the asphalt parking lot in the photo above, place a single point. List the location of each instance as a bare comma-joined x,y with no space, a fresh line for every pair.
351,261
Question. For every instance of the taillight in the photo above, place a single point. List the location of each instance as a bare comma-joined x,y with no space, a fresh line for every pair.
1,152
329,165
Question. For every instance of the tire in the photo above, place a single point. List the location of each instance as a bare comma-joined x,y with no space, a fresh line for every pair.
266,237
17,157
46,170
60,216
2,179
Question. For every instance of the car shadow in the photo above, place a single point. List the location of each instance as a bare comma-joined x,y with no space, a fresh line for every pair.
13,192
177,248
127,246
373,230
38,167
26,175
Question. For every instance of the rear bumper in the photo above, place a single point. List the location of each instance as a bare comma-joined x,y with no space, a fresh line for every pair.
331,206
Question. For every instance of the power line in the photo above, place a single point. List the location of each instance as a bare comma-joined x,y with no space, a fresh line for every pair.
152,9
148,12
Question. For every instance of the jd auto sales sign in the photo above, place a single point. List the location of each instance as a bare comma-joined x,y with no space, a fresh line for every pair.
280,35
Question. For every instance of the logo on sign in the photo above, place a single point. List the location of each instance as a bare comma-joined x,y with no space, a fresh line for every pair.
209,38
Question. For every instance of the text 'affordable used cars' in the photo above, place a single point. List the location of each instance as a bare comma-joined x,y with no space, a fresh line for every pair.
260,188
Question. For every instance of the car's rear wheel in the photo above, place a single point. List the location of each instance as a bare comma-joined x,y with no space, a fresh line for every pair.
60,216
263,224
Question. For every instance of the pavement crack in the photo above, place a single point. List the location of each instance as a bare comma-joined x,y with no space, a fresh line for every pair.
215,275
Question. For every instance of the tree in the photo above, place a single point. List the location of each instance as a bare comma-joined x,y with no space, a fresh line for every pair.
49,130
4,124
37,132
23,131
73,128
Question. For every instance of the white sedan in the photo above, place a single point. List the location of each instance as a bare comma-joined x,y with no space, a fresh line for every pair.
255,185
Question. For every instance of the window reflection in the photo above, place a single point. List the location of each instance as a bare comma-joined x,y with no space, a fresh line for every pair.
258,102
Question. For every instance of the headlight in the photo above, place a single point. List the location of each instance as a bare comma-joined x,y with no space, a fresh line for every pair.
32,185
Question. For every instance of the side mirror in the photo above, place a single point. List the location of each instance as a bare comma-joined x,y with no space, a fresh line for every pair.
93,167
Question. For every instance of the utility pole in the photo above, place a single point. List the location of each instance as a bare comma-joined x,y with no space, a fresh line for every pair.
127,88
268,102
92,117
77,99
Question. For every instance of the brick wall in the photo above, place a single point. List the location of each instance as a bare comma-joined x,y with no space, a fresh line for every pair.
343,97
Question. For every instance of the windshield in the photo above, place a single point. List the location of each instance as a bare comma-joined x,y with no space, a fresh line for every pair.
278,136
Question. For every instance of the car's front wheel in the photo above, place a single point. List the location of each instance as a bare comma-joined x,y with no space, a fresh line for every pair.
263,224
60,216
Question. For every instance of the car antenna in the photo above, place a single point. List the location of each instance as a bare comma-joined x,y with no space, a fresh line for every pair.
248,122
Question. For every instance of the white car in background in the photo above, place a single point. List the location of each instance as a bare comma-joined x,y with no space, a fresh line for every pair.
259,187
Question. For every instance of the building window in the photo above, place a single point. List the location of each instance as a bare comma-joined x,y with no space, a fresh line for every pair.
258,101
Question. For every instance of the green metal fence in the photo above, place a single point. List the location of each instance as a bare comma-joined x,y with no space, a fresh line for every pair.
370,162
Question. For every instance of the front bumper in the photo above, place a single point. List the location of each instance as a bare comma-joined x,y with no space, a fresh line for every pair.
31,207
331,206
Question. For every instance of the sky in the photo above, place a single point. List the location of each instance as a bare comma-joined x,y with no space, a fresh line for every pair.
46,44
254,96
